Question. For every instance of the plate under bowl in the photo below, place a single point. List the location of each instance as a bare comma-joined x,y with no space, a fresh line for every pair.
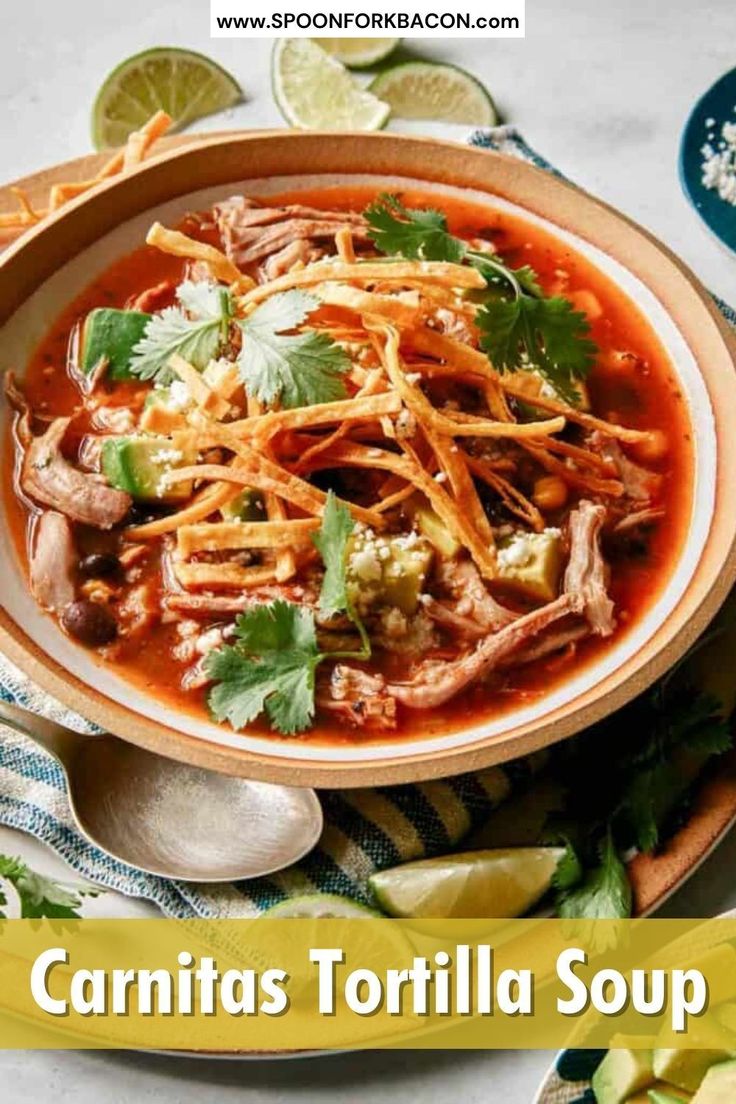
50,264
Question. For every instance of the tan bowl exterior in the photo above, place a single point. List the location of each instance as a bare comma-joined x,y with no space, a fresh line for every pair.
221,159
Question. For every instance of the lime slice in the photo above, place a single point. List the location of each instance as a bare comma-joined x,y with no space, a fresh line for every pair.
423,90
313,91
186,85
320,906
475,885
358,53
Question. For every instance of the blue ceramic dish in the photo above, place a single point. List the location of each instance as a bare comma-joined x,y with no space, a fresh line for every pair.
718,103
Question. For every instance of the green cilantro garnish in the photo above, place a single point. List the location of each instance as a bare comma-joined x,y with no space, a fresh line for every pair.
521,328
40,896
273,663
298,369
271,667
547,335
332,544
653,751
194,330
604,893
416,234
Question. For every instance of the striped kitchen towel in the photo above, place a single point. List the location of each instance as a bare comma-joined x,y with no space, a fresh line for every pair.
365,829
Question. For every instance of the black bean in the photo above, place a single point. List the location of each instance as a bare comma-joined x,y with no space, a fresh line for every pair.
89,622
99,565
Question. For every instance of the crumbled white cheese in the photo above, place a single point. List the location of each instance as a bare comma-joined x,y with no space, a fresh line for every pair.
365,564
167,456
521,548
440,477
719,164
179,397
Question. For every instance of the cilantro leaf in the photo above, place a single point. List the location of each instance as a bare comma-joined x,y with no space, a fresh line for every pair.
419,234
332,542
604,894
39,896
298,369
548,335
173,330
521,328
569,869
271,667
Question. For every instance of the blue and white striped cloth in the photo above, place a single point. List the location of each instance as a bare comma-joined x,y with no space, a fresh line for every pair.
364,829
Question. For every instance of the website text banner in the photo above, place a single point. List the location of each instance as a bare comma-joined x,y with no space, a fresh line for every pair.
367,18
284,985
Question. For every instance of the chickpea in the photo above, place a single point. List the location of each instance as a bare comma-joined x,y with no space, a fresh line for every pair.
651,448
550,492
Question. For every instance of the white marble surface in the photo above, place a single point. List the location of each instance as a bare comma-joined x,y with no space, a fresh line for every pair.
603,90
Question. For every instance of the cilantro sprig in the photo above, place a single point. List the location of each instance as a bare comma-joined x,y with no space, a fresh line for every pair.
297,369
194,330
653,751
39,896
520,327
272,665
294,369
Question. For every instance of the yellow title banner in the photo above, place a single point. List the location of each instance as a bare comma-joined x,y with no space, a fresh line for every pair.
285,985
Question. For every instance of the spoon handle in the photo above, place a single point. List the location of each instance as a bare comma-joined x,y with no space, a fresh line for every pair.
53,738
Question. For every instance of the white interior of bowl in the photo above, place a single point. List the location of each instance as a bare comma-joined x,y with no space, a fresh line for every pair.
28,325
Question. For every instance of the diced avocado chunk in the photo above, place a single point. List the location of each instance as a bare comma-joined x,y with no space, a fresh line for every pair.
247,506
718,1085
111,335
387,571
531,564
686,1068
662,1094
137,464
621,1074
435,530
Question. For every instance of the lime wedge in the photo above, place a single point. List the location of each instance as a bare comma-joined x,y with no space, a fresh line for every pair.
423,90
313,91
186,85
320,906
475,885
358,53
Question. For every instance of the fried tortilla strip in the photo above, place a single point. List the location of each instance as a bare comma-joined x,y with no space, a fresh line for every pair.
374,381
275,507
430,418
512,498
226,535
451,459
344,245
367,302
179,245
201,507
205,398
409,467
221,576
440,272
342,411
140,141
264,475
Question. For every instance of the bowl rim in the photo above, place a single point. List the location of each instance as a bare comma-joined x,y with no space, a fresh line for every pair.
221,159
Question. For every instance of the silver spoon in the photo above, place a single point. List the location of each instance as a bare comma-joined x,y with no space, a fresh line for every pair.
170,819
